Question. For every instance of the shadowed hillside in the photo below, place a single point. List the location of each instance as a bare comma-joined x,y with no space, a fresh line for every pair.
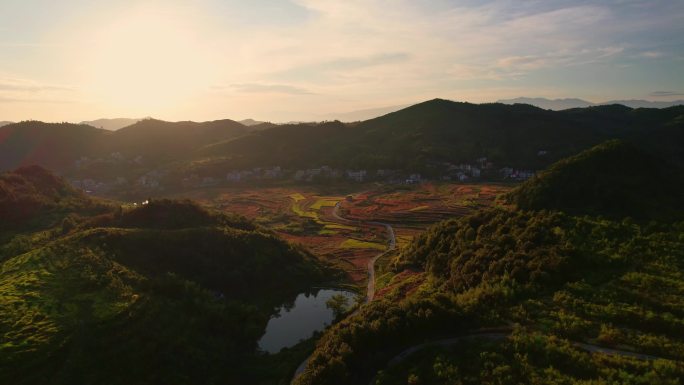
32,196
52,145
442,130
59,146
613,179
416,138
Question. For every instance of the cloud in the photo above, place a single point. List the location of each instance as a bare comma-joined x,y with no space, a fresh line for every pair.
353,63
339,68
661,94
652,54
19,90
5,99
358,54
267,88
24,85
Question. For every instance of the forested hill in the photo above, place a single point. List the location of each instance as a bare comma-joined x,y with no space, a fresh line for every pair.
414,138
613,179
33,198
167,292
52,145
442,130
57,146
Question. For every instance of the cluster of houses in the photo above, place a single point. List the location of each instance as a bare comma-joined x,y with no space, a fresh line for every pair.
509,173
255,173
152,180
148,181
466,171
115,158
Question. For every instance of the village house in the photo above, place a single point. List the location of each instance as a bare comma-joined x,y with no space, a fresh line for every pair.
357,176
209,181
272,173
234,177
413,179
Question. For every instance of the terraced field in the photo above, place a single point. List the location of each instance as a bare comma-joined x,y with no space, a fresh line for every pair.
305,216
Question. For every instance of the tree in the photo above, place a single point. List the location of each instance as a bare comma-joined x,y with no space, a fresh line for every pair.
339,304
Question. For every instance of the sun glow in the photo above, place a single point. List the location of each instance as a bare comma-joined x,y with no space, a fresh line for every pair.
148,61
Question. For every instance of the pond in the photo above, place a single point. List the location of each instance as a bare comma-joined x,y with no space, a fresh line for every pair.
298,322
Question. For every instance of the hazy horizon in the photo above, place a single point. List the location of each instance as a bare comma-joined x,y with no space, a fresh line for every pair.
302,59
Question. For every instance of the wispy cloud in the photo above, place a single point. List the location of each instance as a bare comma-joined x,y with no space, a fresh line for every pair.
651,54
663,94
28,86
358,54
328,70
5,99
266,88
20,90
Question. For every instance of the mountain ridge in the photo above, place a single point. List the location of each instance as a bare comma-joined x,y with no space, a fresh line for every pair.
567,103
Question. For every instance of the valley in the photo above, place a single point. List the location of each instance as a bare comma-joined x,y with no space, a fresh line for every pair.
449,270
300,192
345,226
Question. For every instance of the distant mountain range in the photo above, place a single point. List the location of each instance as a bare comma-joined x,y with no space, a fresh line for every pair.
250,122
111,124
58,145
564,104
416,139
4,123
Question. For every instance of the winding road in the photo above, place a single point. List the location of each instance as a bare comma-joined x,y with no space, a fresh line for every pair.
502,334
370,292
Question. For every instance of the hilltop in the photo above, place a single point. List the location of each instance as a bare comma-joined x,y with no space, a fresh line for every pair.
111,124
614,179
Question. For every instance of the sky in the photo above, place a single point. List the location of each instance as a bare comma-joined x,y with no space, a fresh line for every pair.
73,60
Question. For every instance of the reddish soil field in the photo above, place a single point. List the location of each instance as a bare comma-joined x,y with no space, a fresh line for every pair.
416,205
305,217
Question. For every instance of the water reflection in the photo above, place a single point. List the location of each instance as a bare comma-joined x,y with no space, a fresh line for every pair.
299,320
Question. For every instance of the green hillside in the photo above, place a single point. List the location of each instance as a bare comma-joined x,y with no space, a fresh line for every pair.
534,296
614,179
163,293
